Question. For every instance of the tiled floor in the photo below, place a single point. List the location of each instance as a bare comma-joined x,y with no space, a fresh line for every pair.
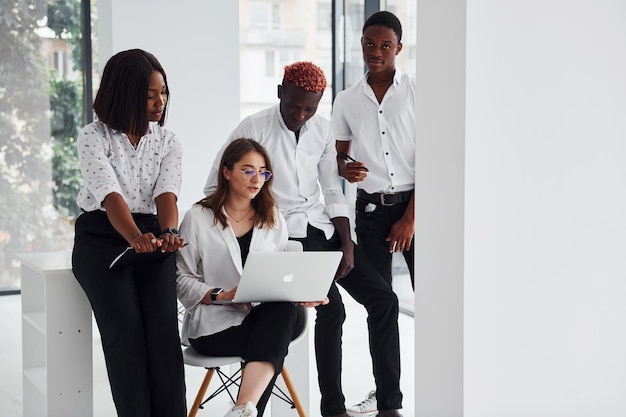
358,380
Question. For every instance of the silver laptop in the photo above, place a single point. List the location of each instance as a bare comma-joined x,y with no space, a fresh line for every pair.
286,276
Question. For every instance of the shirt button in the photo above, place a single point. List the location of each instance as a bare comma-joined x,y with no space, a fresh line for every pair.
380,111
383,133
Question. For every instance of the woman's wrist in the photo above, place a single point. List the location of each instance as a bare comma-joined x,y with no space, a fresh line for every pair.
134,239
171,230
215,292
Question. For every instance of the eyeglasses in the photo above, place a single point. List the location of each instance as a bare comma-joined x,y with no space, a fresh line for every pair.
250,173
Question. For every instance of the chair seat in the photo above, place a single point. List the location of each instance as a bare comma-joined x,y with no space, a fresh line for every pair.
193,358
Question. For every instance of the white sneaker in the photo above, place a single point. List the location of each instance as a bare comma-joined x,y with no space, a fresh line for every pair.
248,410
367,407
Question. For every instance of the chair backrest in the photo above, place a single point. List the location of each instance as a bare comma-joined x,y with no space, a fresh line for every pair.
294,246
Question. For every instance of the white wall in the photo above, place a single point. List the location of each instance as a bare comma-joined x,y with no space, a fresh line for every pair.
544,145
197,42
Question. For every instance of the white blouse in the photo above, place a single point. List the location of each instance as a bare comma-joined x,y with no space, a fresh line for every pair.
213,259
109,163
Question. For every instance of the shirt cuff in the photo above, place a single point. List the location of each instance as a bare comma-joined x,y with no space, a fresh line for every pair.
337,210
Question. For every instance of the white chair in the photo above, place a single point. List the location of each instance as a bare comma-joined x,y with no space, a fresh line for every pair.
213,366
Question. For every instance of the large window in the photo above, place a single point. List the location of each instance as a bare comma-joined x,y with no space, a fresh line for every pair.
42,96
265,14
44,99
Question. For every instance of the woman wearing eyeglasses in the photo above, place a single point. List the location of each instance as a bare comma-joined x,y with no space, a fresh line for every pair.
241,216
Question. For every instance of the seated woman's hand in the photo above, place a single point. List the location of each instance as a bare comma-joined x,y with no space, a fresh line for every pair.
227,295
315,303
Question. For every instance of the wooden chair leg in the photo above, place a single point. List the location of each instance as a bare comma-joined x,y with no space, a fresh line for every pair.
292,392
201,392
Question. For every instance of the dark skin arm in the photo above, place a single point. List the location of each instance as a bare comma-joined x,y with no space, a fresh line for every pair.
402,231
122,220
167,214
120,217
342,225
351,171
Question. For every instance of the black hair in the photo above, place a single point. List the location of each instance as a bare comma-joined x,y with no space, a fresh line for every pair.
387,19
121,101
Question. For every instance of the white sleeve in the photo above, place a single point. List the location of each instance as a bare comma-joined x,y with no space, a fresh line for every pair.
190,285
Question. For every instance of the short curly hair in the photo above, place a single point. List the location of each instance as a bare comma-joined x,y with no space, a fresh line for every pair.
305,75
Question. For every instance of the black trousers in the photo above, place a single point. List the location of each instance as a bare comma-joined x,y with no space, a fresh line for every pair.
372,229
264,335
136,311
368,288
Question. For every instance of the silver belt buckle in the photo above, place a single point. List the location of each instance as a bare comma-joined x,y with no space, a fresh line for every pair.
382,200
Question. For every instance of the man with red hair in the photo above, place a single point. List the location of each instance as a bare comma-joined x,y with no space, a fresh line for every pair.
303,156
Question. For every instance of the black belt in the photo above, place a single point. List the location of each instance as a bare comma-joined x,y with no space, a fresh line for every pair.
385,199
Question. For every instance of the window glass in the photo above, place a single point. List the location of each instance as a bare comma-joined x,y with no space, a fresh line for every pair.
276,34
264,14
324,15
406,10
270,64
41,110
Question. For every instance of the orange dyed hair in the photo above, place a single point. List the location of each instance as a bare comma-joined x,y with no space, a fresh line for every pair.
305,75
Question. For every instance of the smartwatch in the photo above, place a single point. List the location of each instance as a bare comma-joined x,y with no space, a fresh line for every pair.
170,230
214,293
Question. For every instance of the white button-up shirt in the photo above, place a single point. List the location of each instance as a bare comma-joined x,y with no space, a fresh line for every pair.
382,135
303,171
109,163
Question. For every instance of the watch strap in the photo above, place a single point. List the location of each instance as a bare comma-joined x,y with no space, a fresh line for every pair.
215,292
170,230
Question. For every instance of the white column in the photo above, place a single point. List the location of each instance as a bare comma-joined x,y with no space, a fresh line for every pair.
520,209
439,202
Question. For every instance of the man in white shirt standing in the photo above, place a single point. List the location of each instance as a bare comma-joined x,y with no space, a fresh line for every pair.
373,123
375,120
305,168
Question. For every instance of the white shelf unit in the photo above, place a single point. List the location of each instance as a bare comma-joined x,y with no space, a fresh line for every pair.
56,338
